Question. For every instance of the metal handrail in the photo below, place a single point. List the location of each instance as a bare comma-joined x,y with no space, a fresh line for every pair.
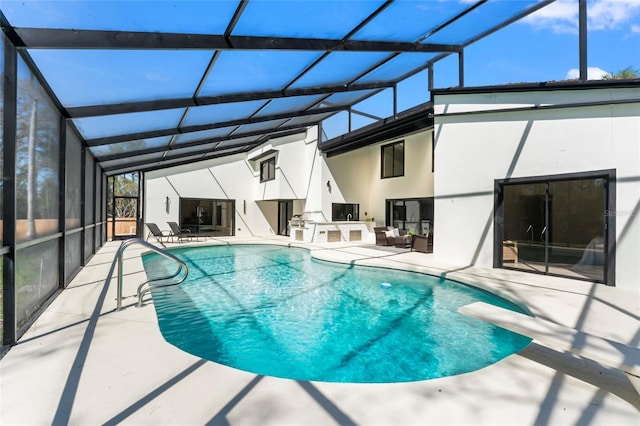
140,293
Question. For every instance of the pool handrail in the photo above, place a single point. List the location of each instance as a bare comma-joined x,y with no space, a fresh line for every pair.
140,292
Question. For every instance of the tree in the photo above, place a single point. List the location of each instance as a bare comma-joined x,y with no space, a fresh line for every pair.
37,154
627,73
31,172
124,185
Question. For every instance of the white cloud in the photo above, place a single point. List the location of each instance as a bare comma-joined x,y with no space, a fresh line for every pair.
635,29
560,9
593,73
155,77
562,15
608,14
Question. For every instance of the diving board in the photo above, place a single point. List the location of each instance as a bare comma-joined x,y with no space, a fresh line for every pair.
604,351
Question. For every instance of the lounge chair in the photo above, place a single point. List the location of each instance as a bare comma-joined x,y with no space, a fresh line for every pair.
180,234
156,232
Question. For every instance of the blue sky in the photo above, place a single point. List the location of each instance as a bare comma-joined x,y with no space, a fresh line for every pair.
544,46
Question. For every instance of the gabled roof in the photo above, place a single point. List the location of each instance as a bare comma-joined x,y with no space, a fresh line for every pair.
150,84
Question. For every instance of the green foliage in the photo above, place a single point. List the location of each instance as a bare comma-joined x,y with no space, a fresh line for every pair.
124,185
627,73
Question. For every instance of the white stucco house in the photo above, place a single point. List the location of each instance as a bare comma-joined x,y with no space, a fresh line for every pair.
542,178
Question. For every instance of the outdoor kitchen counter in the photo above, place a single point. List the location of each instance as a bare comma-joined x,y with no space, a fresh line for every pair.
327,232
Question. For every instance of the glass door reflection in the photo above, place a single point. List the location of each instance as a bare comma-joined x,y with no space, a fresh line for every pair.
524,226
577,228
555,227
207,217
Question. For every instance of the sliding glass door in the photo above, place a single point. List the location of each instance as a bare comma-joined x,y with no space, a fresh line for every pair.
555,226
285,213
525,226
207,217
415,215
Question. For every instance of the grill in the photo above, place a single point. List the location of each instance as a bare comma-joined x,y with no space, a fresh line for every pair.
297,220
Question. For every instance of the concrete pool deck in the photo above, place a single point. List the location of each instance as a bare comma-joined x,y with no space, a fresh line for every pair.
83,363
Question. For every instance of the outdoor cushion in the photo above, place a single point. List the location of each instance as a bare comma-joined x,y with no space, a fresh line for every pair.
390,234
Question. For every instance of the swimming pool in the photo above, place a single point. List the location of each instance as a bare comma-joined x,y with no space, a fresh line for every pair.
273,310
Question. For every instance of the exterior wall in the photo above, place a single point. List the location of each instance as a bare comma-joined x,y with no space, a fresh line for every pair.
292,165
417,181
350,177
474,150
302,173
269,210
235,178
357,174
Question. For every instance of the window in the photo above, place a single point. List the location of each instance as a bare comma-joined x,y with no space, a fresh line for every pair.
268,169
392,160
341,211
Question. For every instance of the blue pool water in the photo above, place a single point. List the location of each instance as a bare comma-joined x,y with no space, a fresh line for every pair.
274,311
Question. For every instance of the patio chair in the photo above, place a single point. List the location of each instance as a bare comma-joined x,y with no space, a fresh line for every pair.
180,234
156,232
422,243
381,238
389,236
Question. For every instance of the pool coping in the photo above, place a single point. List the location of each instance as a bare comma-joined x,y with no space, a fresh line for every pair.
83,363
